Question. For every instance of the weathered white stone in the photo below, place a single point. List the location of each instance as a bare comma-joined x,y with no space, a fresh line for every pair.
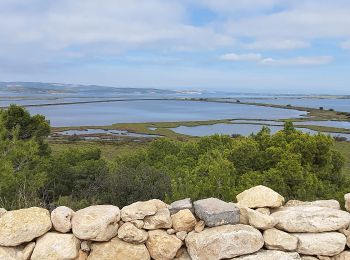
311,219
85,246
22,252
223,242
333,204
199,226
260,197
259,220
20,226
53,246
141,209
2,211
243,215
117,249
61,219
306,257
181,235
324,244
279,240
347,201
162,246
270,255
170,231
178,205
215,212
182,254
161,219
346,232
97,223
265,211
137,223
342,256
183,220
129,233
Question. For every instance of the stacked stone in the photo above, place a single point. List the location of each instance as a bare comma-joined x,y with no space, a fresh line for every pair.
258,227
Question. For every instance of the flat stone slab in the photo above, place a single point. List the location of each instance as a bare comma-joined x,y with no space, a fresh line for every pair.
215,212
178,205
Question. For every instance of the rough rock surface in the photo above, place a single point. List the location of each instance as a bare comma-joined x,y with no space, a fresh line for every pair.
215,212
162,246
129,233
260,197
270,255
342,256
223,242
259,220
182,254
183,220
161,219
199,226
61,219
347,201
324,244
180,205
181,235
333,204
22,252
141,209
279,240
97,223
53,246
2,211
117,249
19,226
311,219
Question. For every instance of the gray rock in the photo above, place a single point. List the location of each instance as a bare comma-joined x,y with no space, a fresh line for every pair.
178,205
215,212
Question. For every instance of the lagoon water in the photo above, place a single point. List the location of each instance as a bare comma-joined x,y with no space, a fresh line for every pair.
94,114
327,103
241,129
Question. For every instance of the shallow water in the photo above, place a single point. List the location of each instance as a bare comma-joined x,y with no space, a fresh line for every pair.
241,129
103,132
155,111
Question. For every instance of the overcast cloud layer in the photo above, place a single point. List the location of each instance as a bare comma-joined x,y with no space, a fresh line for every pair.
238,45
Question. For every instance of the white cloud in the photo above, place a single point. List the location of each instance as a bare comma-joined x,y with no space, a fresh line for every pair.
319,60
259,59
277,44
345,44
241,57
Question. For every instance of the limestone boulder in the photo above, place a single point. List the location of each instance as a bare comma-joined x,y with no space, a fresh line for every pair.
260,197
182,254
279,240
117,249
176,206
199,227
265,211
22,252
20,226
162,246
53,246
61,219
129,233
159,220
181,235
2,211
347,201
215,212
342,256
270,255
224,242
333,204
324,244
97,223
307,257
311,219
141,209
259,220
138,223
183,220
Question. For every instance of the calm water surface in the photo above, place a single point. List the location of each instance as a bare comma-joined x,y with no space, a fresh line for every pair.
155,111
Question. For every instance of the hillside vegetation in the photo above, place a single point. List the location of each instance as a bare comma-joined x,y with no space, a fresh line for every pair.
295,164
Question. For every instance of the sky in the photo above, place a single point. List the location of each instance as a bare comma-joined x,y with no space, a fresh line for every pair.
279,46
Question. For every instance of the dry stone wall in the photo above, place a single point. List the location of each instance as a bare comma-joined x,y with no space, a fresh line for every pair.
260,226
